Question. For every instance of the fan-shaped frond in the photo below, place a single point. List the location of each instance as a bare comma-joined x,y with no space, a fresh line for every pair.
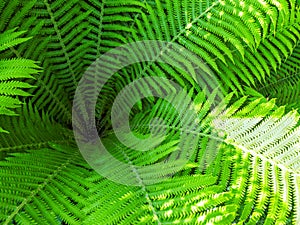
191,152
245,181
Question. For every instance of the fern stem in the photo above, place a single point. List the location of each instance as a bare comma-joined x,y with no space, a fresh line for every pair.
65,53
278,81
262,157
143,186
182,31
15,51
33,146
183,130
244,149
62,106
60,41
194,21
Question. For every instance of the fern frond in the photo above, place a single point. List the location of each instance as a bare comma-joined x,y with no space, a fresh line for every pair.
210,159
37,187
34,131
284,83
55,31
271,144
11,71
11,38
215,186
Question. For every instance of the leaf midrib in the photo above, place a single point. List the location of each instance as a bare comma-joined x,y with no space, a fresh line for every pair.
40,187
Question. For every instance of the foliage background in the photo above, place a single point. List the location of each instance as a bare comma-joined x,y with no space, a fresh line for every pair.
251,46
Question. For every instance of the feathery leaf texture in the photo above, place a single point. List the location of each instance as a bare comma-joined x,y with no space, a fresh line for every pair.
218,191
11,73
231,156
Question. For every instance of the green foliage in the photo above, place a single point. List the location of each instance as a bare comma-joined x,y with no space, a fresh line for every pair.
241,146
12,71
38,183
34,131
284,84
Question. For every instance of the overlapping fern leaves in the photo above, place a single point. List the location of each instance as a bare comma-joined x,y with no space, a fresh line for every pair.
244,165
12,72
35,130
37,187
224,30
205,191
284,84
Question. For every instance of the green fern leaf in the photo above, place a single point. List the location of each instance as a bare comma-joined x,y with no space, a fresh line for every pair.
10,71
